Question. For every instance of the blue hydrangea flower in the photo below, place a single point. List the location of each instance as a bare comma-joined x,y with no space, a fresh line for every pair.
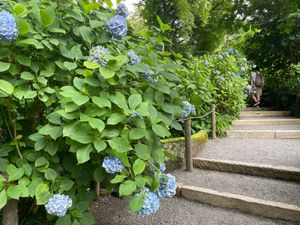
248,88
122,10
151,203
58,205
150,76
117,26
162,167
167,186
230,50
218,72
8,26
233,75
220,57
254,66
188,108
206,63
222,78
97,55
133,58
135,114
112,164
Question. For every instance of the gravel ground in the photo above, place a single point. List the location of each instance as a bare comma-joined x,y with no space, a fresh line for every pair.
276,152
258,187
269,127
175,211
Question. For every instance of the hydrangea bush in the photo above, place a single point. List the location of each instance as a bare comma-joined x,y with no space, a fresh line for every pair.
76,108
219,79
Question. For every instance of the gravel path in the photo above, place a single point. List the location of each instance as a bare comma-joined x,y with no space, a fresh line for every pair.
276,152
175,211
257,187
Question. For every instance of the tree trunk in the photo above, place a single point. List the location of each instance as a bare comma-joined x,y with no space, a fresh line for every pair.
297,111
10,213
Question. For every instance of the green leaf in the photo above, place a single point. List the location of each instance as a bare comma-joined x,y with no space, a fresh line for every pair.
120,100
27,76
13,192
4,66
66,185
140,181
138,166
136,203
86,34
91,65
108,3
120,144
51,147
97,124
127,188
65,220
70,65
23,26
20,10
80,99
3,199
137,133
14,173
115,118
50,174
2,182
42,194
87,219
40,161
30,94
78,132
106,73
6,89
100,146
47,19
118,179
83,153
31,41
53,131
142,151
134,100
160,130
101,102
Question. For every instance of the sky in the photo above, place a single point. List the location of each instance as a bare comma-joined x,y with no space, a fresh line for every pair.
129,4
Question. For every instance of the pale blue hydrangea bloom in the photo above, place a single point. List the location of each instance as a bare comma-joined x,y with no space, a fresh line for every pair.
167,186
122,10
230,50
218,72
222,78
206,63
248,88
133,58
8,26
135,114
151,203
220,57
188,108
112,164
162,167
97,55
117,26
150,76
233,75
254,66
58,205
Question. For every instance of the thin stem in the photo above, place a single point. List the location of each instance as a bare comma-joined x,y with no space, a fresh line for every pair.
6,123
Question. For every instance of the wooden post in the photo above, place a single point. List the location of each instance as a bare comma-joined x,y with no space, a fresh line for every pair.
97,187
188,145
10,213
213,121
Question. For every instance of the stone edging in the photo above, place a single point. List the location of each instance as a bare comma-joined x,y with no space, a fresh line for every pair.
278,172
256,206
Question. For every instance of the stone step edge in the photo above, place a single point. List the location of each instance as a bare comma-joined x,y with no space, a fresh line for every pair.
275,210
263,114
263,122
277,134
254,169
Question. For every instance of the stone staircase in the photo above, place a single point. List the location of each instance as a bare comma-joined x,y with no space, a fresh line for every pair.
265,123
256,169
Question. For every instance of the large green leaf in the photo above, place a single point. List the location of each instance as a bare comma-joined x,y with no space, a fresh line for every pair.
42,194
53,131
3,199
70,65
6,89
97,124
138,166
101,101
47,16
50,174
127,188
142,151
137,133
118,179
120,100
106,73
4,66
83,153
115,118
120,144
13,192
86,34
14,173
160,130
100,145
136,203
134,100
79,132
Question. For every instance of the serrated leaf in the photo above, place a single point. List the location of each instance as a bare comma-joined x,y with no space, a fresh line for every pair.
70,65
42,194
142,151
91,65
100,146
127,188
53,131
27,76
14,173
3,199
50,174
136,203
4,66
40,161
66,185
83,153
138,166
101,102
115,118
118,179
137,133
97,124
120,144
160,130
13,192
134,100
6,89
106,73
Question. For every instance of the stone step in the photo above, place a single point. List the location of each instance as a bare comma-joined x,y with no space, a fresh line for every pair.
264,113
266,134
271,171
258,195
266,127
266,121
270,209
258,109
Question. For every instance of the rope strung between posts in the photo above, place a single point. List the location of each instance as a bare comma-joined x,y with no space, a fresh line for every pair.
198,117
